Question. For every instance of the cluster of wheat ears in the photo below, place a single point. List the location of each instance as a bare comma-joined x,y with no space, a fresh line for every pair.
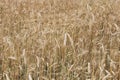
59,40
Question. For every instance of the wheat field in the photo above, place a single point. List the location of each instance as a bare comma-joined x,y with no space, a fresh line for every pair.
59,40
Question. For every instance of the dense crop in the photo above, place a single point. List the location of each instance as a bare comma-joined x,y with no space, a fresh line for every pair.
59,39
